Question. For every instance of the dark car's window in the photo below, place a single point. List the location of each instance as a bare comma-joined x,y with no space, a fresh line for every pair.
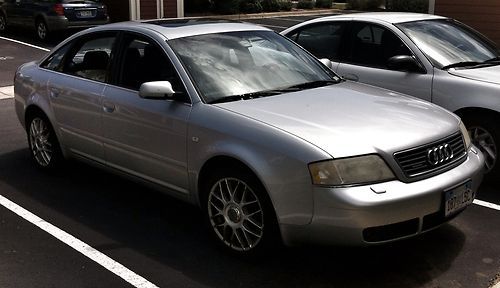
90,59
372,45
144,61
323,40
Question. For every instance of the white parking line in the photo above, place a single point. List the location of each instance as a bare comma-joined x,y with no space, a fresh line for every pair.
6,92
23,43
98,257
486,204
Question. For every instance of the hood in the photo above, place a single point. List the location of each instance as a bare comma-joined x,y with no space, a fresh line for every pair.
490,74
349,119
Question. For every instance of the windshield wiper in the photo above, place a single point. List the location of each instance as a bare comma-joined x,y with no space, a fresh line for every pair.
246,96
461,64
312,84
493,60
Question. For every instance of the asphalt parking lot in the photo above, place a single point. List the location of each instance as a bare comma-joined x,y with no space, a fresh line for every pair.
160,242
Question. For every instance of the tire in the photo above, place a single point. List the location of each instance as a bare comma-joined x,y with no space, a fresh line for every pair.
43,144
239,213
3,23
485,135
42,31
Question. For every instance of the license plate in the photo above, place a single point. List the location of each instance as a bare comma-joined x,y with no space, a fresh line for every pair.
457,198
85,14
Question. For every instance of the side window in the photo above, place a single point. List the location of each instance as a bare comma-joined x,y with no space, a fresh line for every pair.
144,61
373,45
322,40
54,62
90,59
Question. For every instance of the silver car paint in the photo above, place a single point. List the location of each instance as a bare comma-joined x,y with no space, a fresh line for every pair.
277,151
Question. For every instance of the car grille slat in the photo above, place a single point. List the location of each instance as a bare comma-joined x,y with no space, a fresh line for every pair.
415,162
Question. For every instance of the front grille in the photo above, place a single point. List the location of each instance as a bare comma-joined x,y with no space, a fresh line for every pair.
391,231
415,162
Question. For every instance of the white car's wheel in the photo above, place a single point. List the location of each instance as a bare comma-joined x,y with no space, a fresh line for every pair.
43,144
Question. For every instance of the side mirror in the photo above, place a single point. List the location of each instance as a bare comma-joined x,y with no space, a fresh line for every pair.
327,63
156,90
404,63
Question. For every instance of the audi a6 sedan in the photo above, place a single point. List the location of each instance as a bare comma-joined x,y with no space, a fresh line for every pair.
431,57
241,121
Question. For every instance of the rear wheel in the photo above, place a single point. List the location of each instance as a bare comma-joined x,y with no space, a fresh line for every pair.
485,135
3,23
42,31
44,147
239,212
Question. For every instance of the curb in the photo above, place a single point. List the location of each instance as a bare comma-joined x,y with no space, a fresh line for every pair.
6,92
272,14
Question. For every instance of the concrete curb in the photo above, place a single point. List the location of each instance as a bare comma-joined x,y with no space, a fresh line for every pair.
273,14
6,92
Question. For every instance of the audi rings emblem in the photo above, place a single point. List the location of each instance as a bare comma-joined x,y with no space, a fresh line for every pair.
439,154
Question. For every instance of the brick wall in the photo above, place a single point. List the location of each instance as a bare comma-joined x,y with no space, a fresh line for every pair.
170,8
482,15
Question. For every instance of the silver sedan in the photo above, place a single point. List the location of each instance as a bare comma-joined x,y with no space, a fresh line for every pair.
241,121
431,57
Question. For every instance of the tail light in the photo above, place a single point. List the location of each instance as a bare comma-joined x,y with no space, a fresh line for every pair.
59,9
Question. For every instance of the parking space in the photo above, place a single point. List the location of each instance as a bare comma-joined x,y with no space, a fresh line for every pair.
164,241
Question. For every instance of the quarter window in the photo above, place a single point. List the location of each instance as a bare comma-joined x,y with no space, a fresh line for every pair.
373,45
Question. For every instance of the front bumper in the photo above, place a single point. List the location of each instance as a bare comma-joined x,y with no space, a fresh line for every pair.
365,215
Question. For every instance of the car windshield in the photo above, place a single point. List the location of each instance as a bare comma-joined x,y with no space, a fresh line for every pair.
448,43
248,64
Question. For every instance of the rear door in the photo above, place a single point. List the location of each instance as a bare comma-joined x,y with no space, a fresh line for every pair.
146,137
76,93
370,47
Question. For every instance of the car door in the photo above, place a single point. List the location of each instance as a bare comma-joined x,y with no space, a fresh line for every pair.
366,59
146,137
12,10
76,93
323,40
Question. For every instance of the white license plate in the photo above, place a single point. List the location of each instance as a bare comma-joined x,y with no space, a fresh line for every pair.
458,197
85,14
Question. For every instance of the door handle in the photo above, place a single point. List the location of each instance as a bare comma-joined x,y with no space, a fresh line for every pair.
108,107
54,92
351,77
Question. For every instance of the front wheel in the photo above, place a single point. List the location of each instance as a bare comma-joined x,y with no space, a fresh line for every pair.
239,213
485,135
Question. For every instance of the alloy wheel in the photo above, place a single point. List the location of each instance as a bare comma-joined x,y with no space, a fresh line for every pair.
40,145
236,214
486,143
41,30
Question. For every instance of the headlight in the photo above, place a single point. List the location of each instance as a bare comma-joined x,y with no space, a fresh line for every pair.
465,134
348,171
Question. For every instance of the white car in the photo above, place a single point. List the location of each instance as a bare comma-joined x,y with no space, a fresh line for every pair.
431,57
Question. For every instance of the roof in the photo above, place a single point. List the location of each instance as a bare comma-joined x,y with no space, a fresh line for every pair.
178,28
389,17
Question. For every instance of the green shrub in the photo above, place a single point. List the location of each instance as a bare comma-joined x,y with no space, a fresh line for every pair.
286,5
324,3
251,6
366,5
305,4
271,5
421,6
226,6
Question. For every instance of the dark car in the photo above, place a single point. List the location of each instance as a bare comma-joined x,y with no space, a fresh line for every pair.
48,16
